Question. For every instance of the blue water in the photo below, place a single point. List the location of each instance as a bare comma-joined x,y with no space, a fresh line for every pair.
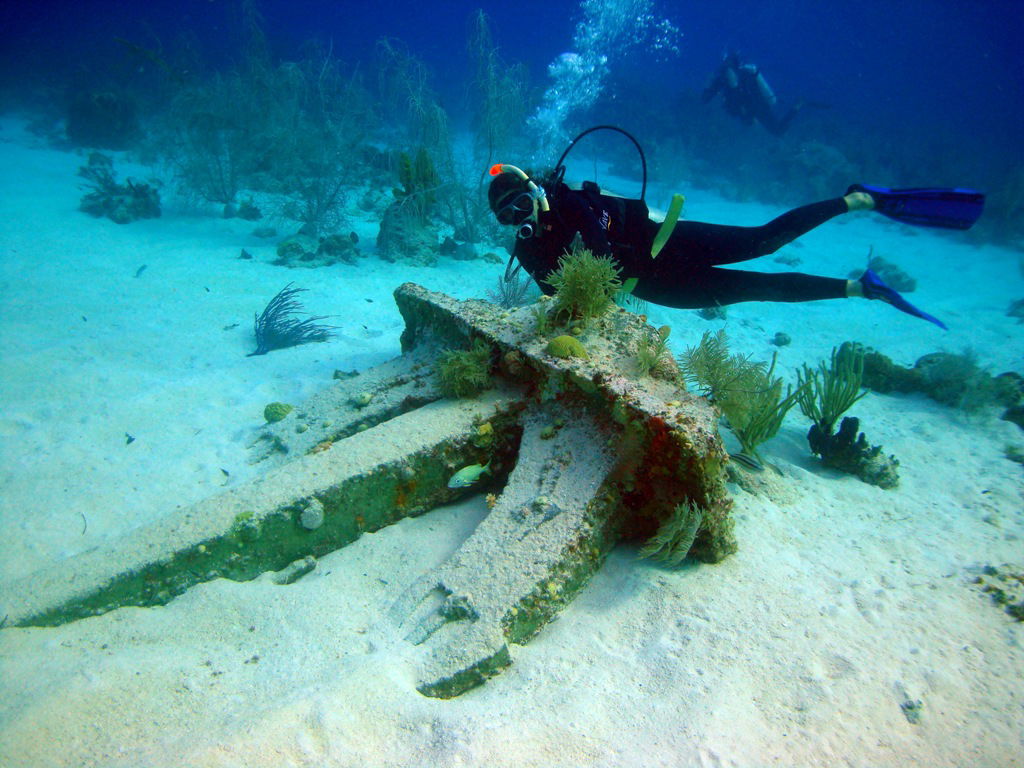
913,68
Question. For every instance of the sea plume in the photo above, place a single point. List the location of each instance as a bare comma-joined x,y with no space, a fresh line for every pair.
278,327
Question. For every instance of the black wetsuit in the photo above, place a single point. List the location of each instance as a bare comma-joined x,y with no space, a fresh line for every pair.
686,274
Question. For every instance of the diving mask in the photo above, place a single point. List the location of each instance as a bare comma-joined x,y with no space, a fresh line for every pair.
521,213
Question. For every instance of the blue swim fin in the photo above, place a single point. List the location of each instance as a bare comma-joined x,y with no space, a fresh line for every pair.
874,288
948,208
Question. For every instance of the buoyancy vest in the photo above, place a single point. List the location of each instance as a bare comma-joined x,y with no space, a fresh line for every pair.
625,220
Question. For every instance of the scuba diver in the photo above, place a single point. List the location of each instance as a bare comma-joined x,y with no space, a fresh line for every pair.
747,96
677,263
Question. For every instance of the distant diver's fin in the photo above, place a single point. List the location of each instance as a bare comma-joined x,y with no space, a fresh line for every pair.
948,208
874,288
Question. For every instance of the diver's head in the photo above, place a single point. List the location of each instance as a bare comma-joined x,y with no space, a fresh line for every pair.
513,202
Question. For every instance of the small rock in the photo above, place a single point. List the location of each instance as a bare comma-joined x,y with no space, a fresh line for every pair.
312,517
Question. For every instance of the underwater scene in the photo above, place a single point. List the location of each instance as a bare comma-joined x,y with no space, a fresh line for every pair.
600,383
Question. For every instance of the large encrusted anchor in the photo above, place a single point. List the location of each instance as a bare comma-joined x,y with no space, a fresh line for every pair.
593,452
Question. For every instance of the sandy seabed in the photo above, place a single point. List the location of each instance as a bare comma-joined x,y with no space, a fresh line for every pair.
844,601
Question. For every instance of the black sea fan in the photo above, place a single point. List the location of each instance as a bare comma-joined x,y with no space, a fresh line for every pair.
278,326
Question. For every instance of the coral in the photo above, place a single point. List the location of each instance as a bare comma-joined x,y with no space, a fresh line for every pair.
675,536
514,365
246,210
891,274
584,284
653,356
404,237
1009,387
465,373
121,203
277,327
484,437
1016,309
881,374
1006,586
764,413
566,347
361,399
500,93
512,289
827,393
746,392
724,379
849,452
318,192
406,101
274,412
542,320
717,312
338,248
419,183
287,130
297,248
211,142
1014,453
1015,415
956,380
312,515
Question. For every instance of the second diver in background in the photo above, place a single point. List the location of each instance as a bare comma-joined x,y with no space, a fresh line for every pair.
747,96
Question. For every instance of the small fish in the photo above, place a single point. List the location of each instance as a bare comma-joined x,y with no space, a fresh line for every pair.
140,270
466,476
245,254
128,439
748,461
229,327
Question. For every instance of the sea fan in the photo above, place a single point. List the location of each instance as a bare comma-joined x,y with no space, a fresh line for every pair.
278,327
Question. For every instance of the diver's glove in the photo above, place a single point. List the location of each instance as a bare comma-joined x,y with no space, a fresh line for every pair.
874,288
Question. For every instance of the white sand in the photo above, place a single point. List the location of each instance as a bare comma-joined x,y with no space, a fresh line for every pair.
843,601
